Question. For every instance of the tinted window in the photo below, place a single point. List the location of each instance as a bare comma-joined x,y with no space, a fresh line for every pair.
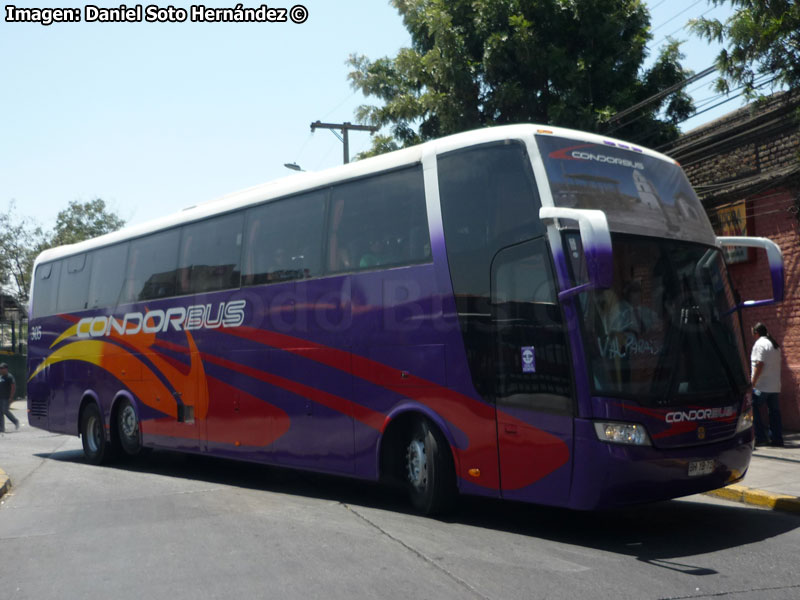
152,266
667,328
108,275
640,194
45,289
210,253
489,202
532,362
379,222
283,240
74,285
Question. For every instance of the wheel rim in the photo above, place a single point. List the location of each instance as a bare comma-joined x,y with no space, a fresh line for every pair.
128,424
93,433
417,464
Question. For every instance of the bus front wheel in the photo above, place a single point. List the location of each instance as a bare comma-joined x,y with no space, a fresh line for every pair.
95,446
429,471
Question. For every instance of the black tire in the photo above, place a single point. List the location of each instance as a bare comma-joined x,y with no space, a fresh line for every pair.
93,436
428,469
128,431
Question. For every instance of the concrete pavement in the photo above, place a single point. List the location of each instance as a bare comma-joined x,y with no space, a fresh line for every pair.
772,481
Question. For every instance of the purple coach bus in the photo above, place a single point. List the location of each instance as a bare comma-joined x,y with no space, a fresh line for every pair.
535,314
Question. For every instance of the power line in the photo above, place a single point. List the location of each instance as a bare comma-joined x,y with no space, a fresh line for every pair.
669,35
661,94
758,82
676,15
639,139
702,103
652,8
338,106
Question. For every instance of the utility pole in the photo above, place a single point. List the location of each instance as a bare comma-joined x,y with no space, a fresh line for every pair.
344,128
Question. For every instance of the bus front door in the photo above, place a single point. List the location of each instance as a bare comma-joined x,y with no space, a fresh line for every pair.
533,391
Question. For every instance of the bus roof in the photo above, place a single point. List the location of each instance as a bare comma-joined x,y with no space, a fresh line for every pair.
300,182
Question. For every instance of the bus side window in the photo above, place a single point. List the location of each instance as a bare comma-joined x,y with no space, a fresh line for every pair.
74,285
108,275
45,289
152,267
379,222
283,240
210,254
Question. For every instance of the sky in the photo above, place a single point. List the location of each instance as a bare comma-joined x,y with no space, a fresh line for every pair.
156,117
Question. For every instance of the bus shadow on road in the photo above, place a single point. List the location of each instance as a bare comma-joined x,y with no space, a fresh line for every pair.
663,534
253,476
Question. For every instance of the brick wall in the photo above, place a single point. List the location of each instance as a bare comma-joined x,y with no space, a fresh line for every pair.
753,154
770,219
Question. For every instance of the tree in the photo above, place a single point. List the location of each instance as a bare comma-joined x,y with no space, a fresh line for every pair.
763,44
84,220
474,63
21,240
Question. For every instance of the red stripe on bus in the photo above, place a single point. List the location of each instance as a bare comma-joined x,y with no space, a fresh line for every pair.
361,413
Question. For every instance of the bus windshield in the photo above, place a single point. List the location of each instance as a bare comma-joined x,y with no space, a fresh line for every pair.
639,193
668,328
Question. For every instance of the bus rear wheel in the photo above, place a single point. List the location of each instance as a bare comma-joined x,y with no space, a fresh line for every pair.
128,429
95,446
428,469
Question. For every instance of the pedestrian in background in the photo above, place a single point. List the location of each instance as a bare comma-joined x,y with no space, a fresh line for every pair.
8,388
765,377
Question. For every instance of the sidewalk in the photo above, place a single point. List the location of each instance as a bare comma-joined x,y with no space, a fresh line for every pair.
772,481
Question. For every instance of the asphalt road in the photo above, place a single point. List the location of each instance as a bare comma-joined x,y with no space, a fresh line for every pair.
176,527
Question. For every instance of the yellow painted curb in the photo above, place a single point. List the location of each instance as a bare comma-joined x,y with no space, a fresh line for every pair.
5,483
746,495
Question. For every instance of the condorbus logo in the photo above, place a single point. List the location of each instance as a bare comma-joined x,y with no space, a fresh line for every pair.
179,318
581,153
609,160
700,414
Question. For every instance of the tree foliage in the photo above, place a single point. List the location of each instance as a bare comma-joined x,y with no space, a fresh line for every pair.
474,63
84,220
22,239
762,42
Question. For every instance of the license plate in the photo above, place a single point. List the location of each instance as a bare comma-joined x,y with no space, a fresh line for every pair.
701,467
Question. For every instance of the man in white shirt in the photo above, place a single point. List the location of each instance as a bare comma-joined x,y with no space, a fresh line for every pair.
765,377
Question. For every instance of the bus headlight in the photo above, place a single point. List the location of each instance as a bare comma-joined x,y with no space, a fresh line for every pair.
622,433
745,419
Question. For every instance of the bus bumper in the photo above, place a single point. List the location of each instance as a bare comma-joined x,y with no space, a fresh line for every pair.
611,475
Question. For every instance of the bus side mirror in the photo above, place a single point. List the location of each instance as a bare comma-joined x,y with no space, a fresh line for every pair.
775,258
596,242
